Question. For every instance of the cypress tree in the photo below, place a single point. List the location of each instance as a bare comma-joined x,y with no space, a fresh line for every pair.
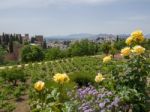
21,40
11,45
0,40
7,39
117,38
32,39
44,45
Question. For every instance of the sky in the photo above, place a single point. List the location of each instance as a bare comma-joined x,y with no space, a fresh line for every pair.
63,17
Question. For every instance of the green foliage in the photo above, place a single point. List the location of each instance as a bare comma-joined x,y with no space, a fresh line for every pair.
13,76
83,78
125,78
2,54
105,47
31,54
79,48
53,98
18,92
130,79
54,53
113,50
83,47
7,107
44,46
134,98
11,45
119,44
146,44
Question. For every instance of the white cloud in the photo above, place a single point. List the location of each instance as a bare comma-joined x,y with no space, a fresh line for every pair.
88,1
5,4
138,18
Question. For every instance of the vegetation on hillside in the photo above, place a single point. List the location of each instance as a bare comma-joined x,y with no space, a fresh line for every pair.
81,84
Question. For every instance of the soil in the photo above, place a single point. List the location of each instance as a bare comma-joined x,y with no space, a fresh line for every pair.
22,104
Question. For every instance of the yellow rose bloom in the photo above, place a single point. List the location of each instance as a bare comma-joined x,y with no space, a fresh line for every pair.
126,51
137,36
39,86
129,41
99,78
61,78
138,49
107,59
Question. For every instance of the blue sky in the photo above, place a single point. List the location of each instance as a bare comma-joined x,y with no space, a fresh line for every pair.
63,17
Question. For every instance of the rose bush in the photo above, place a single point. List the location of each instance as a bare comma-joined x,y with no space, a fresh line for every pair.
122,87
133,73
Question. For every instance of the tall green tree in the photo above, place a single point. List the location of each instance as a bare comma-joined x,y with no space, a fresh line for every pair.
31,53
83,47
11,49
119,44
44,45
2,54
54,53
20,40
105,47
113,50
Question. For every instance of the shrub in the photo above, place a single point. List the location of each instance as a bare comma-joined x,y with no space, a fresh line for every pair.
132,74
13,75
53,53
31,54
83,78
90,99
17,93
7,107
52,98
82,48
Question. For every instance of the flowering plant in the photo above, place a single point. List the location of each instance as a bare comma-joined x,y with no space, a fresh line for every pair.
91,99
133,73
99,78
61,78
51,96
107,59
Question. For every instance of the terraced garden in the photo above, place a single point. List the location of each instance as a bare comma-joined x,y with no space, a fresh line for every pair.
80,84
17,90
27,73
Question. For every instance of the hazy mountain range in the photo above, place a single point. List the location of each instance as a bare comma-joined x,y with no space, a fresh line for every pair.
88,36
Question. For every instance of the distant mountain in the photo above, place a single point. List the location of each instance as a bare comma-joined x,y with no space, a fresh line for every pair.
87,36
147,36
72,36
80,36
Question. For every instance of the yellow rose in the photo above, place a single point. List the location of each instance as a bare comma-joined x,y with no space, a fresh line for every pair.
137,36
138,49
99,78
39,86
126,51
107,59
61,78
129,41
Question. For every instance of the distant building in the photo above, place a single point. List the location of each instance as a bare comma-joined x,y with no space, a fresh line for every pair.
25,38
39,39
102,39
32,39
58,44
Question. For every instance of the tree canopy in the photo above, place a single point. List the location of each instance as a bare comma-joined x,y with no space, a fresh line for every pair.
83,47
32,53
